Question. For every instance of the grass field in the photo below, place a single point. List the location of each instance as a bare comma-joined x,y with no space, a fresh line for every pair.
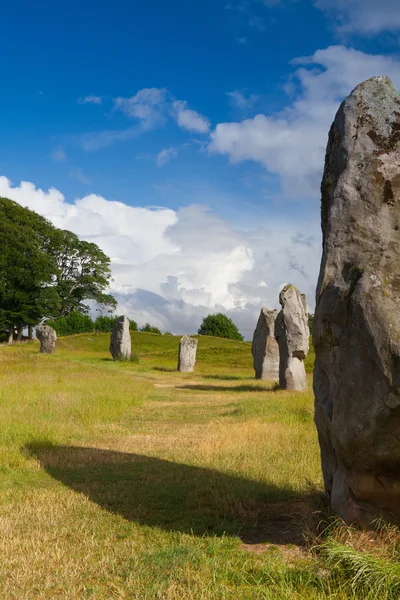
132,481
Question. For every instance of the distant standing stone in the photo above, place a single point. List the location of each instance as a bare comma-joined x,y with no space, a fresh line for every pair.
187,354
120,341
292,334
265,348
47,338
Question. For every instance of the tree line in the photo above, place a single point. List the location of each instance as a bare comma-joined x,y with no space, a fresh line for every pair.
46,272
49,274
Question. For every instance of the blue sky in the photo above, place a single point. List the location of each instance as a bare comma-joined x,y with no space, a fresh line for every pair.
215,111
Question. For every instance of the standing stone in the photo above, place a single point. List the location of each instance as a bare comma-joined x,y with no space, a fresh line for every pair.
265,348
292,335
47,338
120,340
356,328
187,354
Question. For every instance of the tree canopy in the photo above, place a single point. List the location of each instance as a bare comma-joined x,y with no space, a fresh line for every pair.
45,271
219,325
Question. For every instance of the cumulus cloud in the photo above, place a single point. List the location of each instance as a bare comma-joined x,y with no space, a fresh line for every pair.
174,267
58,155
366,17
189,119
165,155
147,106
90,100
240,100
292,143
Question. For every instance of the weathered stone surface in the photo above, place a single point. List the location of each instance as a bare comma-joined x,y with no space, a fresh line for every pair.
187,354
47,338
356,328
292,335
120,341
265,348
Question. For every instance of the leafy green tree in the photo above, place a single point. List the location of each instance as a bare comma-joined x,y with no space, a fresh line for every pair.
26,266
147,328
133,325
219,325
73,323
82,273
310,322
104,323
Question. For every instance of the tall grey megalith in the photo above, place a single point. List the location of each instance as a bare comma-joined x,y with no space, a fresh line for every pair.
187,354
292,334
120,340
356,328
47,338
265,348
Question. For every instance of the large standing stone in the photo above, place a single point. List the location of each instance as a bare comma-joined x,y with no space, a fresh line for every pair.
265,348
120,341
47,338
292,335
356,329
187,354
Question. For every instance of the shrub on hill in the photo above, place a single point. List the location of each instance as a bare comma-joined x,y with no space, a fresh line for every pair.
219,325
104,324
133,325
147,328
73,323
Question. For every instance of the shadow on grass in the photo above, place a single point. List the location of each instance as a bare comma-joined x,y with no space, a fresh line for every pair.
227,377
237,388
165,369
179,497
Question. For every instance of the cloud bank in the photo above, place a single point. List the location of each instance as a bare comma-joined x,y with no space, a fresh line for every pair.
172,268
291,143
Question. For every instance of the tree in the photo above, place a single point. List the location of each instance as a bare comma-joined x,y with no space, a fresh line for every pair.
147,328
45,271
133,325
219,325
82,273
310,322
73,323
26,267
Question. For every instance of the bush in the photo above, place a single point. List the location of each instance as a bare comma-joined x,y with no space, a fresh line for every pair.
104,324
133,325
219,325
75,322
310,322
147,328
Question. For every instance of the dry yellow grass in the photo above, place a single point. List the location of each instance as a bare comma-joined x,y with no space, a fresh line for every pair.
126,481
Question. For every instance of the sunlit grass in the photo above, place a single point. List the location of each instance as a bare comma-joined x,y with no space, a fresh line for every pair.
126,480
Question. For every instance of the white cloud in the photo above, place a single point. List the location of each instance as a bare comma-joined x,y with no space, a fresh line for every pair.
292,142
58,155
90,100
79,176
240,101
189,119
147,106
173,267
165,155
367,17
